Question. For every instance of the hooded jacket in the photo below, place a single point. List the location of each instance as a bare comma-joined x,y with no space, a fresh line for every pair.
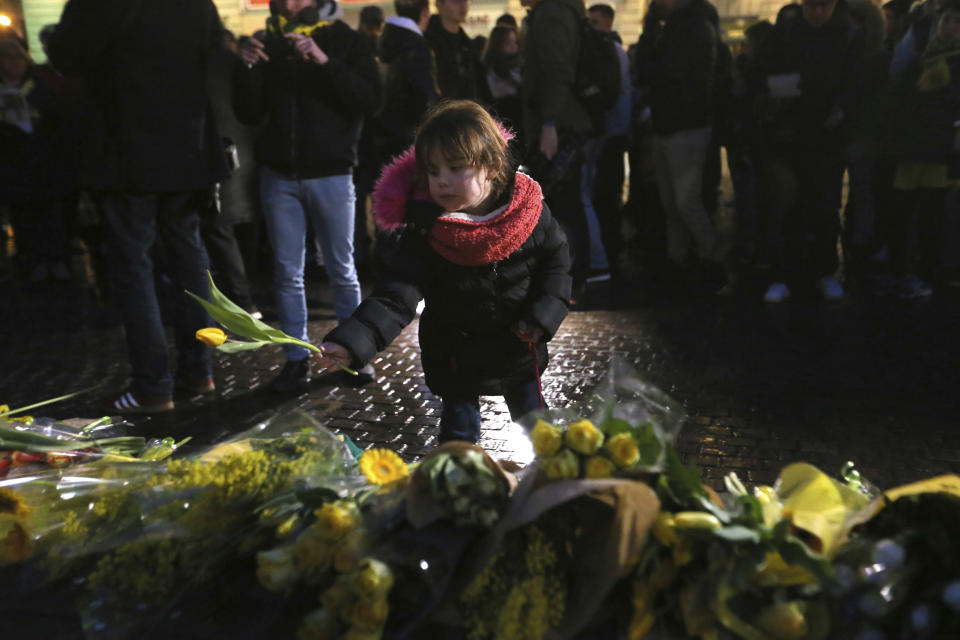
410,87
478,280
312,114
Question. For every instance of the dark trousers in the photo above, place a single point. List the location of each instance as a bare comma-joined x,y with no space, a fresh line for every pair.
230,272
460,417
608,196
133,223
917,233
802,192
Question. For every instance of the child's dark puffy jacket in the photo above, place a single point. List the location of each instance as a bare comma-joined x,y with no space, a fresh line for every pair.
473,297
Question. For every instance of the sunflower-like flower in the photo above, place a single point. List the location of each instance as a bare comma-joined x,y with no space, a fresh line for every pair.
211,336
547,439
623,450
583,437
382,466
598,467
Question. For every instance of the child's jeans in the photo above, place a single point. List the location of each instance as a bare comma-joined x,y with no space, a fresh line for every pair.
460,418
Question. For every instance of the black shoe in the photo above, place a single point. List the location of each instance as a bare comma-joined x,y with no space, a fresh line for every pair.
293,378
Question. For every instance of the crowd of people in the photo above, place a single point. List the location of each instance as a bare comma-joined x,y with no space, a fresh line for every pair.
177,147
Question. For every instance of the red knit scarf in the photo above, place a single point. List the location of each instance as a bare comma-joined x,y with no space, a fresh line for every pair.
470,243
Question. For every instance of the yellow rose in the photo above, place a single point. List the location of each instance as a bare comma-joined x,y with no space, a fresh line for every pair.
348,554
276,569
583,437
372,578
337,519
211,336
313,552
547,439
368,615
623,450
319,624
563,465
598,467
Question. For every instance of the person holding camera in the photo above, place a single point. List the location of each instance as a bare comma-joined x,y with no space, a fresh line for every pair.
311,80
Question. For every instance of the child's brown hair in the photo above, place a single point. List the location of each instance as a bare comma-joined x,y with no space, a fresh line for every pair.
463,131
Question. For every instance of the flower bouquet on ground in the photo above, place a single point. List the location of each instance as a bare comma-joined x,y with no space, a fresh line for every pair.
139,545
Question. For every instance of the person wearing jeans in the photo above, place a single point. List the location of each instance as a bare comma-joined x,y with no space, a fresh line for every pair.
329,204
151,153
310,81
460,418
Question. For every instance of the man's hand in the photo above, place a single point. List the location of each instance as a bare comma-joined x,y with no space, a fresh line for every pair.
307,47
251,52
333,356
548,140
528,332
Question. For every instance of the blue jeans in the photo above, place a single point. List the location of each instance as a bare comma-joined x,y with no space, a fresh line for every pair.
460,417
329,204
133,222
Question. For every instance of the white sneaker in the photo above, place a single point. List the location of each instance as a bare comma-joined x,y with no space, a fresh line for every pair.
776,292
830,288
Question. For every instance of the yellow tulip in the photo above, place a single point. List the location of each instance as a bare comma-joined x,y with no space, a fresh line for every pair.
583,437
664,529
547,439
598,467
211,336
561,466
783,620
623,450
696,520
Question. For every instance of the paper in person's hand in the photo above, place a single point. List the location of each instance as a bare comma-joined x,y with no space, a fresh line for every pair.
784,85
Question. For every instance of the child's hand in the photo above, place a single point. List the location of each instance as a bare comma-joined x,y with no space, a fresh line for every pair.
528,332
333,356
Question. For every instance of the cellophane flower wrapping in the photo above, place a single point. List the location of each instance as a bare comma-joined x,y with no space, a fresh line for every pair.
143,546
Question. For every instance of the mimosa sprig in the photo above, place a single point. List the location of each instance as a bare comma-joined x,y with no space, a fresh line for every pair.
236,320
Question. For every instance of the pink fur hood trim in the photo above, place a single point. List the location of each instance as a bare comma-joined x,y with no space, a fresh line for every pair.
399,182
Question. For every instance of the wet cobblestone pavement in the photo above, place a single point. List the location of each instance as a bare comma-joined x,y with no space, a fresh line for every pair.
873,380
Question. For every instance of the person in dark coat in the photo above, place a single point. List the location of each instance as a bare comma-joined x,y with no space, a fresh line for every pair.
311,83
150,149
810,73
679,67
481,249
410,88
460,73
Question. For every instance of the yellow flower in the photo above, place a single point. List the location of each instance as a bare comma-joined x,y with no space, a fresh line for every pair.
382,466
337,594
368,615
319,624
11,503
547,439
783,620
623,449
348,554
583,437
211,336
314,553
15,543
664,529
337,519
276,569
562,465
373,578
598,467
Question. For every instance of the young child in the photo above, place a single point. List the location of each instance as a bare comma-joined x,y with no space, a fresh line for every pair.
480,247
